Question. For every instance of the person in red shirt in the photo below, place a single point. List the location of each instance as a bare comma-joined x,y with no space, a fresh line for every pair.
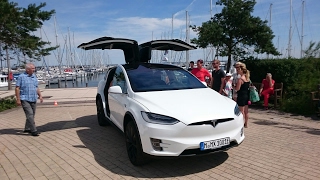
10,76
267,88
201,73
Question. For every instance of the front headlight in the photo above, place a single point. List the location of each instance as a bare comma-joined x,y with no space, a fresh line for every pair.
237,110
158,119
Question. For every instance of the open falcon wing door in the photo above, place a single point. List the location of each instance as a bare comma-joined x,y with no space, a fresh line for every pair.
130,47
171,44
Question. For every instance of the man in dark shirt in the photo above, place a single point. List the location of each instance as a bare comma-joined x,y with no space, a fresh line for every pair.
191,65
218,76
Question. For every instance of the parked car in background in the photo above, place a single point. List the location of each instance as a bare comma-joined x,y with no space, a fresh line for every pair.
162,109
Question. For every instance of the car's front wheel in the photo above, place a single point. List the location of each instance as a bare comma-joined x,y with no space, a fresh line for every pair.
133,144
102,120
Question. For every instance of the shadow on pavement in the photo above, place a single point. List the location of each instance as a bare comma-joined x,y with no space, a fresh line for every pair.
289,126
108,147
276,111
266,123
14,132
314,131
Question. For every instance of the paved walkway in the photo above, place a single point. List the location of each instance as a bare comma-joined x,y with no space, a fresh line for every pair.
61,95
73,146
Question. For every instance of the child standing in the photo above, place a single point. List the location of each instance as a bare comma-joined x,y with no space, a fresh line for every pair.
227,90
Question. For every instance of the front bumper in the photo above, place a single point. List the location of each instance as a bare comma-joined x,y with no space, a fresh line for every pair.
184,140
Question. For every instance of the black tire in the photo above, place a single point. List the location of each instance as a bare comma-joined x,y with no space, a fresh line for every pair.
102,120
133,144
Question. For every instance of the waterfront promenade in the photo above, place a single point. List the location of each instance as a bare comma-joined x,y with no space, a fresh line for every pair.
73,146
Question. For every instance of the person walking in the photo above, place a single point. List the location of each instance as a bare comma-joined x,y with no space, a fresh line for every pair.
27,93
267,89
218,76
242,89
201,73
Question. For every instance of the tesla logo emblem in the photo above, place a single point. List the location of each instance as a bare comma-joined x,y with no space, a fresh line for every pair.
214,123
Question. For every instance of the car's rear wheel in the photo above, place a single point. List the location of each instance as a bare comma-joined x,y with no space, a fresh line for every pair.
133,144
102,120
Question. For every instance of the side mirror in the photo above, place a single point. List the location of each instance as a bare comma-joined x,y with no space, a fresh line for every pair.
115,89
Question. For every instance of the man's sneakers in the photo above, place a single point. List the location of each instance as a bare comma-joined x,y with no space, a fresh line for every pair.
35,133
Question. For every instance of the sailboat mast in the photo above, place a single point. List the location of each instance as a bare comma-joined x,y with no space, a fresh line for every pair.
70,49
171,34
270,22
301,51
289,44
211,8
187,38
55,29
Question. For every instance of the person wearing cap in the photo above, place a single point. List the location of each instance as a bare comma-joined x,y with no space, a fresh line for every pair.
201,73
235,80
227,86
266,89
191,66
218,76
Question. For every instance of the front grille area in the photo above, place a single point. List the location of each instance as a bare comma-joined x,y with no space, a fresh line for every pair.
217,121
193,152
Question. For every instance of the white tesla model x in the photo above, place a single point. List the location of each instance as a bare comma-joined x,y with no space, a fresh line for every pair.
162,109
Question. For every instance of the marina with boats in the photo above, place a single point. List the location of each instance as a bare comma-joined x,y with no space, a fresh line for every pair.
53,77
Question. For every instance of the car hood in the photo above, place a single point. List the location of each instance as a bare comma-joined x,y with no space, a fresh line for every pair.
188,106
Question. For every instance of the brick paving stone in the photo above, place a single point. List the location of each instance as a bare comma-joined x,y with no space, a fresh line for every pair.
42,178
73,146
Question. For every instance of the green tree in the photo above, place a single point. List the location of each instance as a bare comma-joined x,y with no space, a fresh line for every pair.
313,50
16,30
235,31
17,26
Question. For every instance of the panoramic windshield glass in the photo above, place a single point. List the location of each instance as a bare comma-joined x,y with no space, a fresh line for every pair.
160,77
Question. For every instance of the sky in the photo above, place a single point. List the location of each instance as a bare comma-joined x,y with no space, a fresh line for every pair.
79,21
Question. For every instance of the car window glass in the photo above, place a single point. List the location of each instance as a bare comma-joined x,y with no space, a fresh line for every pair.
119,80
151,77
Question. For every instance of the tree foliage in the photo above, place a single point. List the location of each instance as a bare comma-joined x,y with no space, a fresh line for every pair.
235,31
313,50
299,78
17,27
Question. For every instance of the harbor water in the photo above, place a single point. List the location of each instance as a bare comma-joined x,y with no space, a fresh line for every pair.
81,81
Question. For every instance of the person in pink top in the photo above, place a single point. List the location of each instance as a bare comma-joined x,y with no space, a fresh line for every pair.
266,89
201,73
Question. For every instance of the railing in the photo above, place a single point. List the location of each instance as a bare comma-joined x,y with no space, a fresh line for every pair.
71,81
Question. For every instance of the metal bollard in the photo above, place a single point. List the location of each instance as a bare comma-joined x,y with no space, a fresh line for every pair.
59,84
48,84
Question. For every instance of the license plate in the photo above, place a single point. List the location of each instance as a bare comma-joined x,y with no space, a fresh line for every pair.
217,143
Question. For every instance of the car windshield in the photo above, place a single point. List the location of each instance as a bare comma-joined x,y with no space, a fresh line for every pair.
160,77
